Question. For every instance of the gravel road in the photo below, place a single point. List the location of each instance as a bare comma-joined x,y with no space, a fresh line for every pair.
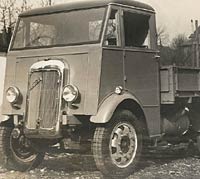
166,162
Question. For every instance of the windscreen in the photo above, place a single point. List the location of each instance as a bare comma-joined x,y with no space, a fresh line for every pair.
66,28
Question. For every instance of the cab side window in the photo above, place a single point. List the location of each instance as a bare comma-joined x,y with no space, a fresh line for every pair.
112,31
136,29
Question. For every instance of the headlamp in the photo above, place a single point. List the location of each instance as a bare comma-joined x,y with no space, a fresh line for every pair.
70,93
12,94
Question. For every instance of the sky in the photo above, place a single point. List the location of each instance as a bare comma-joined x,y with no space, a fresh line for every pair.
172,15
175,15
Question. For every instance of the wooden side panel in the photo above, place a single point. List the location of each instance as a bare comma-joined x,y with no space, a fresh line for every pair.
179,82
167,86
188,80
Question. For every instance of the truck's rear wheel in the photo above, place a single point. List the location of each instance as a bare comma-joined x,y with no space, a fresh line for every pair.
16,153
117,146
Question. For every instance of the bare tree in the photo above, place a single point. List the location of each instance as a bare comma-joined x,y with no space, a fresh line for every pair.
7,13
46,3
162,36
9,10
180,57
175,53
25,6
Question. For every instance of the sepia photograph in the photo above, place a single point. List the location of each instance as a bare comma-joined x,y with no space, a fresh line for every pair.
99,89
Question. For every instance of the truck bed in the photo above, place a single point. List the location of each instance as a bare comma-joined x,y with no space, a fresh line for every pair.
179,82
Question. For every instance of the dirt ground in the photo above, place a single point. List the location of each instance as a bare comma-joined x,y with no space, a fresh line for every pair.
166,162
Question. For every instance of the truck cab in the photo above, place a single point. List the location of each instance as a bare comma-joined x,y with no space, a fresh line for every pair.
88,72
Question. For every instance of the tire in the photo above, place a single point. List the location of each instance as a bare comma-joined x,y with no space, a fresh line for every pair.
17,156
117,146
198,142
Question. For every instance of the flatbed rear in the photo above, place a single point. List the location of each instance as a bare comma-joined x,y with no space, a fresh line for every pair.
179,82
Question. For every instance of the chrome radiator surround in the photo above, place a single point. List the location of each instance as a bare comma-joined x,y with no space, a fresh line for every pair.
44,99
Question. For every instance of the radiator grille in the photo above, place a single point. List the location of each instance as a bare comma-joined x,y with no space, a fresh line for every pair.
43,100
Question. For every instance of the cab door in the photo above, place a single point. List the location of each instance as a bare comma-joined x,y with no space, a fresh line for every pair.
141,64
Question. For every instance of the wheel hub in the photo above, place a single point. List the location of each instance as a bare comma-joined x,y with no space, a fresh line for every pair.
16,133
123,144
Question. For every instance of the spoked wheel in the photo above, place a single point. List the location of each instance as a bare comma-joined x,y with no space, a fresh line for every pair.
16,153
117,146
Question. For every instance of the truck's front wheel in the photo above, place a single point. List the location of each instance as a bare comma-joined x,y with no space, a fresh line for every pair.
16,153
117,146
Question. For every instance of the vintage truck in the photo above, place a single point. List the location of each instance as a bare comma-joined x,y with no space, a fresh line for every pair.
88,72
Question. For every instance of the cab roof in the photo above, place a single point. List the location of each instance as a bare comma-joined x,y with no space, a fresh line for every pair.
84,4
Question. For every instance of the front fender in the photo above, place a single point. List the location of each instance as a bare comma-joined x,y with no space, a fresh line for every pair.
109,105
4,118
